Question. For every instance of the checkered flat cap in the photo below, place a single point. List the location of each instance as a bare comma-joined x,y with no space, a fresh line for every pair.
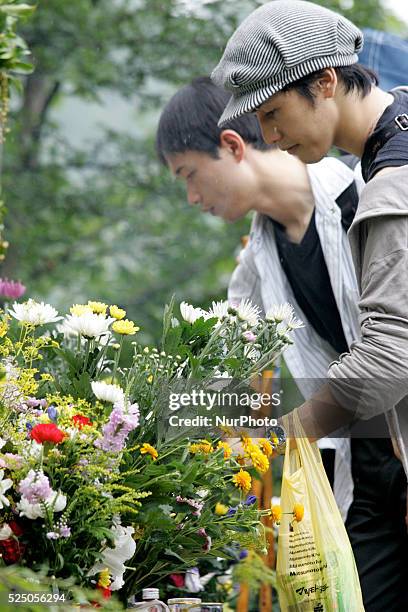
279,43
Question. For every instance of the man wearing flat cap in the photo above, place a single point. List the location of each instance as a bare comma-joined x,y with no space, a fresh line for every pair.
294,64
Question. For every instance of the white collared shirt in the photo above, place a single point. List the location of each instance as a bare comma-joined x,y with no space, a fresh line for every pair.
260,277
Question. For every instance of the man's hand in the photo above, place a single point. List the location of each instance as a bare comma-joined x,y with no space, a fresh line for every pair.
320,416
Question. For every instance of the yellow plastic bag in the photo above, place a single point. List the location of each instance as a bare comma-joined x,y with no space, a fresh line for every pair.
316,571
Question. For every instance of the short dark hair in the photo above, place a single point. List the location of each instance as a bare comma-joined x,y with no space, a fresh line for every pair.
353,78
189,122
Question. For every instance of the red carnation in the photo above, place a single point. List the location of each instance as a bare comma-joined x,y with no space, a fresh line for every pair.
12,550
178,580
16,528
80,421
47,432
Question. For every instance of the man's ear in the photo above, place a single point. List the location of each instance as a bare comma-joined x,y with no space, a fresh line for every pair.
327,83
232,142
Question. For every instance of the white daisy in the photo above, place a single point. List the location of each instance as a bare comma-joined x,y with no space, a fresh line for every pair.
191,314
248,312
108,393
88,324
34,313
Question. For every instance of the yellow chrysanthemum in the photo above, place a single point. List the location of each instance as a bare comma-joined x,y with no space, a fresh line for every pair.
227,449
246,441
266,447
125,327
79,309
117,313
221,509
104,579
298,512
203,446
98,307
259,460
276,514
195,448
242,480
148,449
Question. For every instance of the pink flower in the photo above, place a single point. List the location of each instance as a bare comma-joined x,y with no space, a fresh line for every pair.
11,289
249,336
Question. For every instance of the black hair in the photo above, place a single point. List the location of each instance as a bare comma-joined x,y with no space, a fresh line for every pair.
353,78
189,122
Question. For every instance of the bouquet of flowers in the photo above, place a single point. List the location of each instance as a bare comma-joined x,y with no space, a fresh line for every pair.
90,489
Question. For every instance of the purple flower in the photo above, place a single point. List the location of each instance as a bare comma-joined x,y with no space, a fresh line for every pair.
11,289
52,413
35,487
250,500
65,531
243,554
232,511
121,422
33,402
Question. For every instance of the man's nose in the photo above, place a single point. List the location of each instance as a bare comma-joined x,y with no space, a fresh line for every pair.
192,196
270,134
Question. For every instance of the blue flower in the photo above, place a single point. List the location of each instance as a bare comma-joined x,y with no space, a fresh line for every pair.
52,413
243,554
232,511
250,500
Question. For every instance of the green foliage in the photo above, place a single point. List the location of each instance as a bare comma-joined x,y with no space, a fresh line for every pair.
13,49
103,218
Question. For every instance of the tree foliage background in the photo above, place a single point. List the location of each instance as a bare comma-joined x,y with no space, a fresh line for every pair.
103,220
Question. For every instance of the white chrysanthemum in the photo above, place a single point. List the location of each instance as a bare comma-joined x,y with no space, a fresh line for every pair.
248,312
4,486
191,314
114,558
295,323
55,502
219,309
108,393
34,313
284,313
279,312
88,324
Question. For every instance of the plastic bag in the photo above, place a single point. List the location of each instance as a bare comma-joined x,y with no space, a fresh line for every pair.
316,571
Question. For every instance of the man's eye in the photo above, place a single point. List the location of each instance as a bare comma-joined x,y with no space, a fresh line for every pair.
270,114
